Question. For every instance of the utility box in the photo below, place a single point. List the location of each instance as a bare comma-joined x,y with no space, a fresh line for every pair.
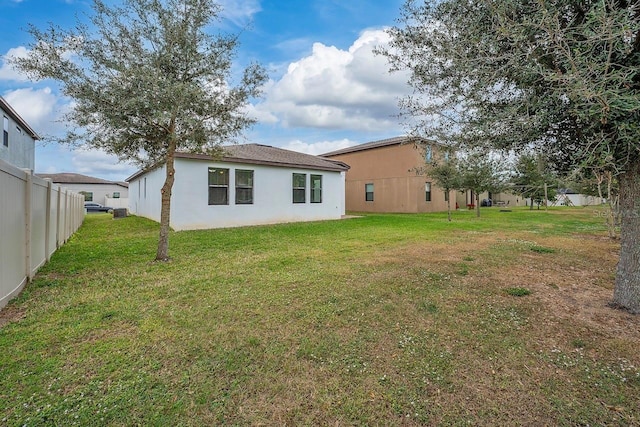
120,213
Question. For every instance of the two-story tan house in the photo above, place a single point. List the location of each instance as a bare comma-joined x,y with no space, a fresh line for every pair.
388,176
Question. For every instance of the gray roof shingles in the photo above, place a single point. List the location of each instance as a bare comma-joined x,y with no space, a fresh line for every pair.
374,144
264,155
76,178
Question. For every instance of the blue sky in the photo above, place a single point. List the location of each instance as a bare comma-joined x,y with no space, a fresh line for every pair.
326,89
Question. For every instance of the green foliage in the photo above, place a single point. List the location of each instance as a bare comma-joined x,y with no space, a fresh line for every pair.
147,79
559,77
143,74
530,177
479,172
562,76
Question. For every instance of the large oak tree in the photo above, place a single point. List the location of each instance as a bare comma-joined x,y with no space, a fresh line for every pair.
562,77
147,78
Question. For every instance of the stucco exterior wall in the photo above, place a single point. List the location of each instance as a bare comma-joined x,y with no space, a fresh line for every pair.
398,186
272,196
21,150
100,191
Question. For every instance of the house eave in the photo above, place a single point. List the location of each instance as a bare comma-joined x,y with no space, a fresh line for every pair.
8,109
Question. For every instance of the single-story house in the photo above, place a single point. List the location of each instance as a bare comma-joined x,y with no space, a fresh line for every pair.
568,197
388,176
249,184
108,193
18,146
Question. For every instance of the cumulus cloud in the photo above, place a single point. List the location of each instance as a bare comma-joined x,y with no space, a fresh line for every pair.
38,107
318,147
7,72
239,11
100,164
339,89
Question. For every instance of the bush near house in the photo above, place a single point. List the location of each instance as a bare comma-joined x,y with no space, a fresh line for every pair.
364,321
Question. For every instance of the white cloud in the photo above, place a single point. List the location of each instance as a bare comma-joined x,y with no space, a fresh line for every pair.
7,72
339,89
100,164
318,147
38,107
239,11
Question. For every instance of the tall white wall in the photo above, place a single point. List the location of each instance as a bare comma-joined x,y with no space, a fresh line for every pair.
272,196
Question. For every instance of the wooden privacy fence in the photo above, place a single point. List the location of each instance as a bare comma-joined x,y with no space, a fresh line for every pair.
36,218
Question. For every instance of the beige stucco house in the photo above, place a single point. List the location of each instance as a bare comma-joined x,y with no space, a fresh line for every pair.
388,176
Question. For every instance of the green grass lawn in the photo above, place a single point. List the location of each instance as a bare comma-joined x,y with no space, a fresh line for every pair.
377,320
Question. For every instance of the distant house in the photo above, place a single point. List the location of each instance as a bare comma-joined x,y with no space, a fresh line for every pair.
386,176
250,184
568,197
94,189
18,144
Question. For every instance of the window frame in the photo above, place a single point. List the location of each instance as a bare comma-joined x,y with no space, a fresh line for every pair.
248,186
313,191
5,131
298,189
427,191
428,154
224,186
367,193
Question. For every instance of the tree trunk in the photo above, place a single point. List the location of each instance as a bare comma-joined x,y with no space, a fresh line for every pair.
531,205
478,204
448,204
165,210
626,293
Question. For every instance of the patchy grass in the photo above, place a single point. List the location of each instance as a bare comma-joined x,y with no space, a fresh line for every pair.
518,292
384,319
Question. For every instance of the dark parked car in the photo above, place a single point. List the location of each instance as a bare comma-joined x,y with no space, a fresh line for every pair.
96,207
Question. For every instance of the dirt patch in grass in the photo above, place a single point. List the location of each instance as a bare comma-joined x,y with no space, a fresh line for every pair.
11,313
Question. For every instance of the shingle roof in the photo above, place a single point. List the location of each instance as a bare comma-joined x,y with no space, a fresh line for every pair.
76,178
374,144
259,154
8,109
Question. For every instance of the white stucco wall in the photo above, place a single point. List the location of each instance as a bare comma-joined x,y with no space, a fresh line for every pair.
100,191
272,196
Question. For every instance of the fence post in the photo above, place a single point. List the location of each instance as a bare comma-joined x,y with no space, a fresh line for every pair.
27,225
47,221
58,218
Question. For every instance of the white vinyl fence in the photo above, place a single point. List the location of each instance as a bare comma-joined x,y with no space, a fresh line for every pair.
36,218
122,203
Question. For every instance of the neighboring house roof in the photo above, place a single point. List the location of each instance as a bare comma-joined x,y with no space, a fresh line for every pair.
16,117
76,178
375,144
259,154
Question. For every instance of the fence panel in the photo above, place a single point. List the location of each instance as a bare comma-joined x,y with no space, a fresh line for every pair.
36,218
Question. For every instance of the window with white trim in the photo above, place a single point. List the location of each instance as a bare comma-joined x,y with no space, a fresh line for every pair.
244,187
5,131
299,187
368,192
316,188
218,186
